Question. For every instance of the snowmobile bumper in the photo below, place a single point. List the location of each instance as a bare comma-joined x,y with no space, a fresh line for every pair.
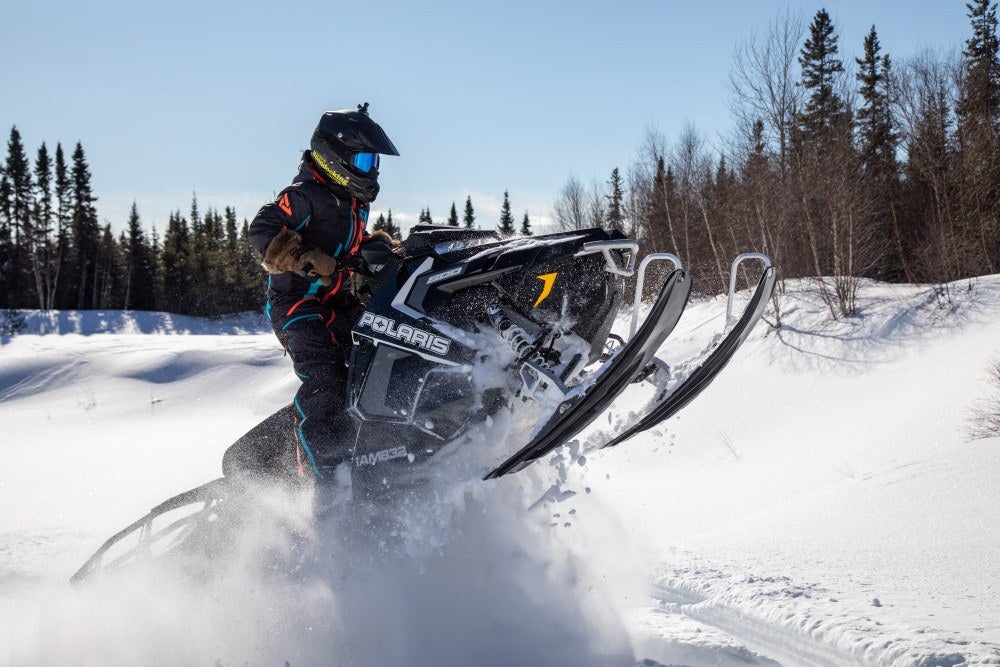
165,526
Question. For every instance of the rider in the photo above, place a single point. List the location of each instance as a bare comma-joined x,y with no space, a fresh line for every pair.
304,237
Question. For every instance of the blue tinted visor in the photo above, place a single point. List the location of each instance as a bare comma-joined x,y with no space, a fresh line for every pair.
365,162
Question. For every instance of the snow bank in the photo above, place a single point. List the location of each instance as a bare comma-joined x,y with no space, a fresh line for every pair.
90,322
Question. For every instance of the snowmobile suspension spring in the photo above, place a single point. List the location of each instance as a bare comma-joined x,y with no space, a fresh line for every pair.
518,339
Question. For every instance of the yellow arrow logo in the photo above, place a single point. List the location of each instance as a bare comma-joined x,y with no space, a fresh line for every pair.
548,280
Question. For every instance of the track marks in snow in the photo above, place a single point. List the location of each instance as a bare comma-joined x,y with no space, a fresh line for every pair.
20,381
774,620
745,638
671,637
190,363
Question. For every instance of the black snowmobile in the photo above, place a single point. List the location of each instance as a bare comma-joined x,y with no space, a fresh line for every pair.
461,325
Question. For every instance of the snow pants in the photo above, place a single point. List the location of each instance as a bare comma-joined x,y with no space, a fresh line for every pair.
316,338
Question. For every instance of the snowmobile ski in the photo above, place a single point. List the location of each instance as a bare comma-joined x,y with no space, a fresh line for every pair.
590,400
702,376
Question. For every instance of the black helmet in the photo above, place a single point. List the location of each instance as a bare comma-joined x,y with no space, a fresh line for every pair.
345,146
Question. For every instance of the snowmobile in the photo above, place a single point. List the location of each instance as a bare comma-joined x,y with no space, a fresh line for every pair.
537,312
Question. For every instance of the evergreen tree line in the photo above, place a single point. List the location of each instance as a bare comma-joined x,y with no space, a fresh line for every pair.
505,225
54,254
890,172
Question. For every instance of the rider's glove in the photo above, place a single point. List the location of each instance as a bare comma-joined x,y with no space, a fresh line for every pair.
317,264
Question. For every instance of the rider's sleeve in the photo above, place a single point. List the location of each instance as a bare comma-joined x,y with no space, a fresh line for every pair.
291,210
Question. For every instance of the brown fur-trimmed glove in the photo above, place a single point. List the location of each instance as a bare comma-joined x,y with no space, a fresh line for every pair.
286,253
283,252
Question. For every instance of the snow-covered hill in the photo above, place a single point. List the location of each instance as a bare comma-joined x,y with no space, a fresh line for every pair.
820,503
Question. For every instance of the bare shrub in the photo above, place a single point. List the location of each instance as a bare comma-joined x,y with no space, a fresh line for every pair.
984,422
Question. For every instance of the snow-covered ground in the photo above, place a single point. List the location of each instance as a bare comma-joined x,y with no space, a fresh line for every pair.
819,504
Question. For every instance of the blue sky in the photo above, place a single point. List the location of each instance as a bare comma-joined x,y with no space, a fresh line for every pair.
220,97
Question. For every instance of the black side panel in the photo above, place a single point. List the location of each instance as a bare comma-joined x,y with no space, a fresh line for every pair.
385,451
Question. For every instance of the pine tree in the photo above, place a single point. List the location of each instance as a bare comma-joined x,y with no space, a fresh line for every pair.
43,213
979,134
878,141
195,217
453,216
210,282
198,262
469,217
391,228
139,286
660,225
252,285
108,283
525,225
875,122
506,226
206,262
979,107
156,262
232,234
722,189
6,242
385,224
824,117
130,244
926,192
616,215
44,257
425,217
757,162
232,276
18,173
177,270
17,209
86,233
65,296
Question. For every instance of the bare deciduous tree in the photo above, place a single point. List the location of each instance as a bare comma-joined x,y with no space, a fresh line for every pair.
571,206
764,81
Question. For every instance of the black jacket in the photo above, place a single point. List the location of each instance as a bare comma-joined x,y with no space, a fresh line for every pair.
325,216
